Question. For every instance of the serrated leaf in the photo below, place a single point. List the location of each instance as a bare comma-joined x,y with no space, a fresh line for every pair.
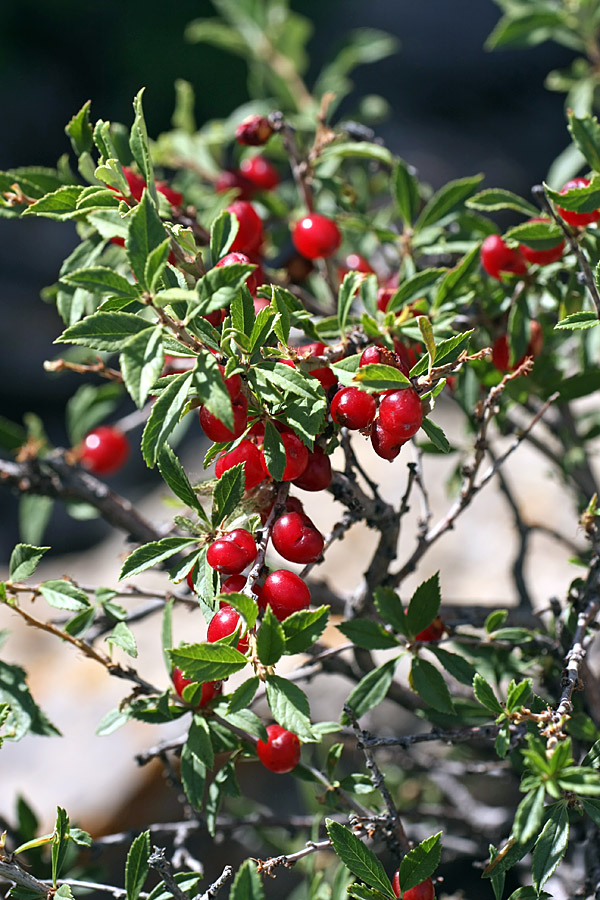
247,884
303,628
529,814
64,595
424,605
89,406
102,280
34,514
138,142
485,694
146,232
551,846
25,715
446,200
105,330
414,287
210,387
60,842
141,363
581,199
222,234
199,742
454,279
495,620
228,493
80,130
358,150
193,776
270,640
207,662
243,695
380,377
153,553
389,606
446,351
24,560
60,204
136,866
586,135
368,634
155,264
274,452
165,414
578,321
539,235
245,605
289,706
421,862
430,685
455,664
371,689
436,435
493,199
175,477
518,695
357,857
346,294
406,192
122,636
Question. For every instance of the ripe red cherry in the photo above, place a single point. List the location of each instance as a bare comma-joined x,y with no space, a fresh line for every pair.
401,413
104,450
210,689
354,262
316,237
233,383
285,593
317,474
229,179
496,257
384,295
253,131
296,538
250,233
542,257
281,753
216,317
216,430
384,444
231,258
423,891
353,408
247,453
296,456
572,216
501,348
324,374
232,552
224,622
433,632
173,196
260,172
234,584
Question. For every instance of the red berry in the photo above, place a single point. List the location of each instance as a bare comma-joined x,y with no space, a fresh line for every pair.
433,632
316,237
216,317
224,622
317,474
371,356
496,257
250,233
384,295
308,350
296,456
135,182
260,172
384,444
296,538
247,453
354,262
401,414
253,131
285,593
281,753
190,579
326,376
234,584
210,689
231,258
501,348
233,383
216,430
423,891
232,552
228,180
173,196
105,450
353,408
572,216
542,257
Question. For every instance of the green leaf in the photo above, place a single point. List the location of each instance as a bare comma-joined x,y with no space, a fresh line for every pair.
193,776
289,706
154,553
346,294
59,205
80,130
270,640
485,694
245,605
103,281
380,377
155,264
210,387
406,192
495,620
165,414
592,808
24,560
539,235
551,845
220,286
581,199
199,741
421,862
454,279
446,352
414,287
429,684
455,664
146,232
578,321
368,634
389,606
518,695
243,695
525,28
436,436
247,884
207,662
586,136
424,605
357,857
64,595
25,715
122,636
446,200
529,815
12,436
105,330
89,406
60,842
136,867
175,477
303,628
228,493
371,689
34,515
141,363
581,780
358,150
188,882
494,199
274,452
222,234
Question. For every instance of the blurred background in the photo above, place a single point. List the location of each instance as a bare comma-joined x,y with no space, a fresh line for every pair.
454,110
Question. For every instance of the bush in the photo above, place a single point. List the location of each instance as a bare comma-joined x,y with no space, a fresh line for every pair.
308,297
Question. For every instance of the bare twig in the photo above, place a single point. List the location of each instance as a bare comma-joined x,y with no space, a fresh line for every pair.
158,861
